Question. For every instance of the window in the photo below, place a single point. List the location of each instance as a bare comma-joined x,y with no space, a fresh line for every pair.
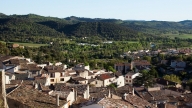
62,79
126,80
129,76
126,76
33,72
52,75
52,80
129,80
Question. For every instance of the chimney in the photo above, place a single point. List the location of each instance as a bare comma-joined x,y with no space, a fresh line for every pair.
109,94
124,96
36,85
57,99
133,92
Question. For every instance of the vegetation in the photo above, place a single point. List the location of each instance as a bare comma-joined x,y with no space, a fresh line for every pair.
173,78
145,78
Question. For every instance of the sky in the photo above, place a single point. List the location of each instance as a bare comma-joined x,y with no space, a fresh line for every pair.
162,10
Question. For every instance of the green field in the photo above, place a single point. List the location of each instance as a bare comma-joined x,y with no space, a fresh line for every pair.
128,41
183,36
28,44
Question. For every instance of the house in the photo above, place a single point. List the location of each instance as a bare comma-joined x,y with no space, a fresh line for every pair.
56,74
82,90
139,64
178,65
68,95
136,101
81,67
109,103
9,77
123,67
161,98
33,70
119,79
129,77
78,80
27,96
103,80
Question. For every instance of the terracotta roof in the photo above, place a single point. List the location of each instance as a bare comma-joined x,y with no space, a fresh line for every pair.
30,97
104,76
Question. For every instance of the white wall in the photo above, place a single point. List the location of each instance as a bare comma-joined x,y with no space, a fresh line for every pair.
71,97
7,81
120,81
84,74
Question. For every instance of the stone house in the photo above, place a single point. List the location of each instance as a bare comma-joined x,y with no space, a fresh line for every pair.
103,80
129,77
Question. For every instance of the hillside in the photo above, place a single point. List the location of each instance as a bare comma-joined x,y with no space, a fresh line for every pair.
28,27
17,28
101,29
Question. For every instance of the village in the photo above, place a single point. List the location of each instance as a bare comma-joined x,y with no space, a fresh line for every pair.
52,85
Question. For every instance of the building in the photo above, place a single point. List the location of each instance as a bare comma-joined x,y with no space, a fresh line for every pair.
81,67
178,65
26,96
130,76
103,80
123,67
56,74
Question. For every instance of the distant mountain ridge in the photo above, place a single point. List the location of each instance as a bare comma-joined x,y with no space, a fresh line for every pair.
36,25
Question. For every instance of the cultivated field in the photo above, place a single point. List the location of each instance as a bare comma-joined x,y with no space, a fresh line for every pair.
183,36
29,44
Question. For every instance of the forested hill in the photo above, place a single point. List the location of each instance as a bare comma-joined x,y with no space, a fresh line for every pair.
20,27
101,29
16,28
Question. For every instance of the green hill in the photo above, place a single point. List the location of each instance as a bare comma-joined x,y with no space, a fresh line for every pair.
101,29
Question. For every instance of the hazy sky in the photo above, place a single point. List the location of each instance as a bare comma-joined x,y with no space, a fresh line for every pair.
167,10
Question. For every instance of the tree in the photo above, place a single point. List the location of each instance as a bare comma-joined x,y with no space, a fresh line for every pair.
110,68
145,78
147,58
173,78
153,72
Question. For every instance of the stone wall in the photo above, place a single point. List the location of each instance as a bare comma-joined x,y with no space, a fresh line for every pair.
3,93
1,98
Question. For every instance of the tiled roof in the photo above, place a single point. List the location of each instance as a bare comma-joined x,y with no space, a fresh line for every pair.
137,101
114,103
159,95
51,69
81,88
90,74
33,98
10,87
141,62
104,76
79,79
62,94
